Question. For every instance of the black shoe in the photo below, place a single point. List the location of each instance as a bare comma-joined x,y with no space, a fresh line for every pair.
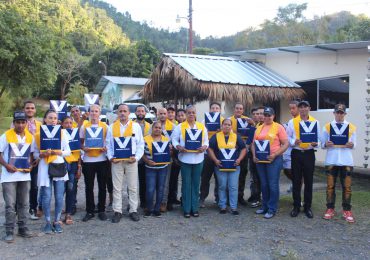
242,202
169,207
134,216
147,214
9,237
223,211
308,213
102,216
235,212
176,202
294,213
157,214
195,214
88,216
24,232
186,215
116,217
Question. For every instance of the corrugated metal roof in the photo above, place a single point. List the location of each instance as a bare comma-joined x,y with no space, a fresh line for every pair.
129,81
230,71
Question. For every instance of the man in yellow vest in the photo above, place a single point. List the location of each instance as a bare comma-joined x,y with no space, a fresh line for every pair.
238,115
125,147
16,149
303,134
145,130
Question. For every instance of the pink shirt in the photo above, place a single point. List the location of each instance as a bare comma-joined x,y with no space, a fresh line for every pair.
281,135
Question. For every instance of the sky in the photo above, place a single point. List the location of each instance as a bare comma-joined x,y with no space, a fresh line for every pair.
221,18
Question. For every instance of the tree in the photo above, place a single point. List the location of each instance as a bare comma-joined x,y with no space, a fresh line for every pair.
290,13
76,93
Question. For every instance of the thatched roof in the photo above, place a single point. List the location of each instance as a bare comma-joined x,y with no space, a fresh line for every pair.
201,78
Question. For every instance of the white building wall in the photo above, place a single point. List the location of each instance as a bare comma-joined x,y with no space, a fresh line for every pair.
322,65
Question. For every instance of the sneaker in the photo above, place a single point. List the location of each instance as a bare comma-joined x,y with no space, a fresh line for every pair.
147,214
269,215
261,211
48,229
195,214
235,212
134,216
255,204
9,237
116,217
223,211
157,214
57,227
88,216
329,214
348,216
24,232
102,216
202,204
186,215
33,214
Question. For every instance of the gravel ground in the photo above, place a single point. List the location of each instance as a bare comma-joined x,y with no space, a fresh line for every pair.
211,236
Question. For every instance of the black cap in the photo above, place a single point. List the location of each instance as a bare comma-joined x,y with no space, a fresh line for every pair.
269,111
340,108
19,115
304,103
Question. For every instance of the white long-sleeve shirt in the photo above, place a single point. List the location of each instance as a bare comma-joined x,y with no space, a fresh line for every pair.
137,140
338,156
292,136
190,158
43,168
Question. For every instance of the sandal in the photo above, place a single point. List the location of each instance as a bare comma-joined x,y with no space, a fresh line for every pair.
68,220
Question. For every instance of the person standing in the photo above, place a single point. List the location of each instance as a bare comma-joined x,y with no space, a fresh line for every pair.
271,139
339,138
171,113
33,126
145,130
16,154
212,122
227,150
241,125
125,145
92,135
190,138
303,133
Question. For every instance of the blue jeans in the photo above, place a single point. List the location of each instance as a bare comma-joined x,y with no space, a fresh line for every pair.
155,180
190,174
228,180
46,199
71,186
269,176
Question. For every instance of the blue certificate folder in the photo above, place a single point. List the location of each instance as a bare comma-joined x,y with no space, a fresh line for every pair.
245,130
19,156
340,135
308,131
74,139
193,139
227,158
161,152
122,148
262,150
60,106
94,137
50,137
212,121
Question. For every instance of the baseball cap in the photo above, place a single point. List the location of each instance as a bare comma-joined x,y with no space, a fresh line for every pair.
340,108
269,111
19,115
304,103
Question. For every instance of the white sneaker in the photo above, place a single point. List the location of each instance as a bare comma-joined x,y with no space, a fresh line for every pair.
33,215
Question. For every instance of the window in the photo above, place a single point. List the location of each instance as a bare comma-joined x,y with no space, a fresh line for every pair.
326,93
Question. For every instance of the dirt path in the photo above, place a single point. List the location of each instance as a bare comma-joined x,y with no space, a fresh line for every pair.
211,236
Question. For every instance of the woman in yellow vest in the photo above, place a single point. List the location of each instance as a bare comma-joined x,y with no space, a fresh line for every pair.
157,158
227,150
73,163
190,138
269,134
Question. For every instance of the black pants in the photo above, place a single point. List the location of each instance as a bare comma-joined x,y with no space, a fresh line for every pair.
207,172
303,165
173,184
109,179
100,169
255,180
142,183
242,177
33,189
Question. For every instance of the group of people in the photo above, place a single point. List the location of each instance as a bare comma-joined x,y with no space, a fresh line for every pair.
37,158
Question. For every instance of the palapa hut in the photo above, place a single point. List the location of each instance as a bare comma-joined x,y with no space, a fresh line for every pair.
199,77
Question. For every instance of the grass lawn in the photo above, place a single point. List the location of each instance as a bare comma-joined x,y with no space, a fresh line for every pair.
5,124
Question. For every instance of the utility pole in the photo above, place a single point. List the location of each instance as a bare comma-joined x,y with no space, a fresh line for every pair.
190,26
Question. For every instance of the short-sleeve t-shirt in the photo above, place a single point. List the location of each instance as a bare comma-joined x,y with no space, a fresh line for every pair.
281,135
